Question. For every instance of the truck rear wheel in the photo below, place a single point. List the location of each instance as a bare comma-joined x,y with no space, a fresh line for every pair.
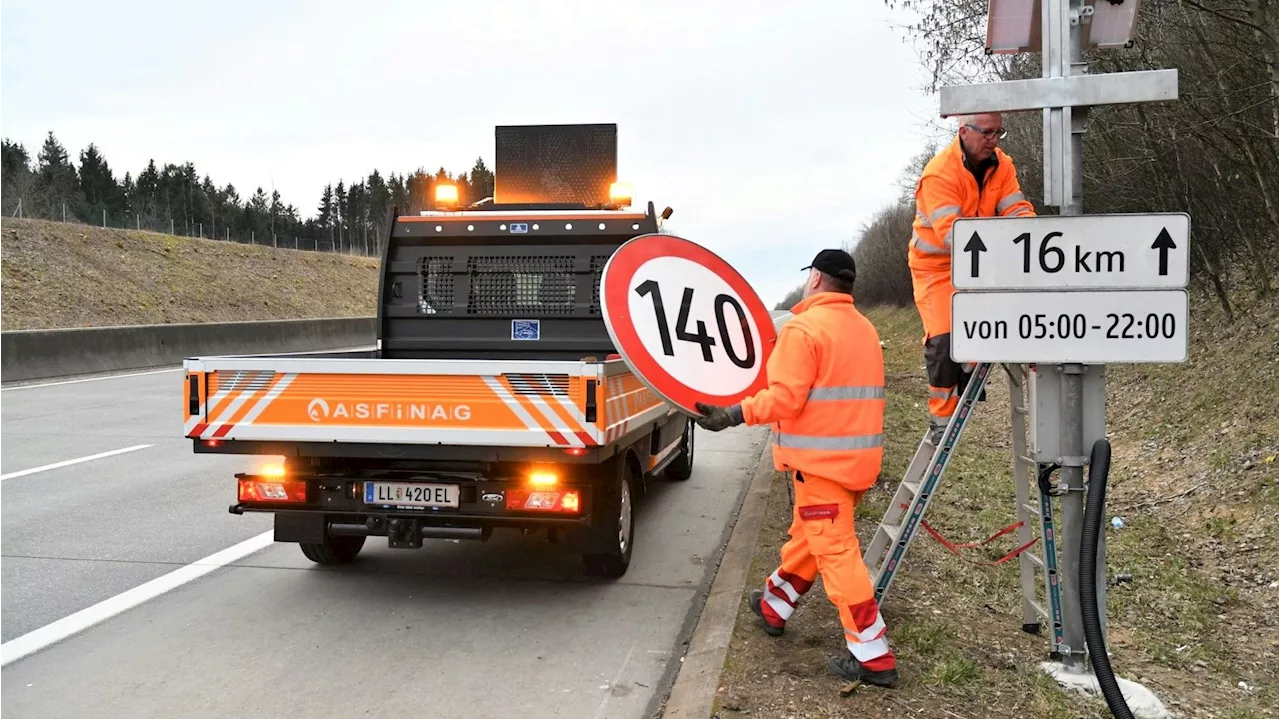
615,521
333,550
681,468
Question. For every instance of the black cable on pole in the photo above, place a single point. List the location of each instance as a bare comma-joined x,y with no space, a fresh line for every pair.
1099,466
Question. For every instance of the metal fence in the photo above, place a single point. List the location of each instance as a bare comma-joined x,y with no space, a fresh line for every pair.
360,243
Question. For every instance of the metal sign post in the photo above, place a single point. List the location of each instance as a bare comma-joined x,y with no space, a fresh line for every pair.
1126,274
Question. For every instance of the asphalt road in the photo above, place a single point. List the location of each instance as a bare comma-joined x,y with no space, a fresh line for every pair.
507,628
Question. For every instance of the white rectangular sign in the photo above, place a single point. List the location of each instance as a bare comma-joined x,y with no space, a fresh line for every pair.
1080,327
1140,251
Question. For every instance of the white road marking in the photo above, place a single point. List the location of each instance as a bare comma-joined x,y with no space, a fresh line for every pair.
70,462
49,634
88,379
617,678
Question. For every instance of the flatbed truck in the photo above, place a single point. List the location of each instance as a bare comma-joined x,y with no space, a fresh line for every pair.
493,397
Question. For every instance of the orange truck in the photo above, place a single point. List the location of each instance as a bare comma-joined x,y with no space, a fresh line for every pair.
494,397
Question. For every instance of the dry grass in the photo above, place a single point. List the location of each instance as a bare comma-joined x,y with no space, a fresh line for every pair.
57,275
1193,476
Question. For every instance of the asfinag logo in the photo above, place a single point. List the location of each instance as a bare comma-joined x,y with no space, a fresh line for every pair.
319,410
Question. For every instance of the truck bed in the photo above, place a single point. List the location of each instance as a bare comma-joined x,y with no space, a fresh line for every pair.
354,397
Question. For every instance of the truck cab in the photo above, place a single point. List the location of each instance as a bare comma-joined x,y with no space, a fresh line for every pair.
493,398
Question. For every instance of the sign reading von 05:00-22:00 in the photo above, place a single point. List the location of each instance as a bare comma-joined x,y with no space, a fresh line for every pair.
1080,327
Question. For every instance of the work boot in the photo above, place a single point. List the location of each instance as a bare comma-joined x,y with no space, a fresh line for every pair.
848,667
757,606
935,434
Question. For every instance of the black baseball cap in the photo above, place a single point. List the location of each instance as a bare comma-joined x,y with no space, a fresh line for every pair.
836,263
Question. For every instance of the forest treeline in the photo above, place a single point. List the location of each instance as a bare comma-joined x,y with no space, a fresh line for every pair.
1211,153
347,217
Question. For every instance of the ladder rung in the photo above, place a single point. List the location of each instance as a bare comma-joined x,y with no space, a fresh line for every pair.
912,487
892,532
1020,410
1028,460
1040,610
1032,509
1036,560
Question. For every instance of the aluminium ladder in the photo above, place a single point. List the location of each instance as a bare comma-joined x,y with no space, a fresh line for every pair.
902,519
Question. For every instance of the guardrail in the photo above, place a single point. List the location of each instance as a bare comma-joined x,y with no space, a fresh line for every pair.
43,354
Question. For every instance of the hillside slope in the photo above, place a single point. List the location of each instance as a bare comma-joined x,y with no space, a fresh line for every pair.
55,274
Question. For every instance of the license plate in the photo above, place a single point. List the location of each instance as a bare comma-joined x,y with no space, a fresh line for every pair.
411,494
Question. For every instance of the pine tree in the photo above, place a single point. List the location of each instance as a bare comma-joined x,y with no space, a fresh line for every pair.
57,184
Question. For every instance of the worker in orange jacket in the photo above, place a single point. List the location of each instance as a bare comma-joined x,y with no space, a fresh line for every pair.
971,177
825,400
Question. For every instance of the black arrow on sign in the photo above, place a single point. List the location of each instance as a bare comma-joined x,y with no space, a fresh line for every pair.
1164,243
973,247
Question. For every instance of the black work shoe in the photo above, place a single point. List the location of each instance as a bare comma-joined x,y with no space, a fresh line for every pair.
935,434
848,667
756,600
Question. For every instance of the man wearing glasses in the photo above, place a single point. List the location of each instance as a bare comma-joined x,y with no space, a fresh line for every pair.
971,177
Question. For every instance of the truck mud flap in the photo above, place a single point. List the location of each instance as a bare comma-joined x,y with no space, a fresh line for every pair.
300,527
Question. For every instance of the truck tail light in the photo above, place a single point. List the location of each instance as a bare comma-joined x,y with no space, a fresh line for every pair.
543,501
257,490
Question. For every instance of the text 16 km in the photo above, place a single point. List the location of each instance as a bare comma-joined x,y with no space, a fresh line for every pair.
1121,326
1052,259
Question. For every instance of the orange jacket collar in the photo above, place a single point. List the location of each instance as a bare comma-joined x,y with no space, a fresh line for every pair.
822,298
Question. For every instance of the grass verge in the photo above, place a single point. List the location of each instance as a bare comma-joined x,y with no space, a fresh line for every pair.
1192,604
59,275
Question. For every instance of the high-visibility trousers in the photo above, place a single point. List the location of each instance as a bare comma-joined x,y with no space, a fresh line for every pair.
932,291
823,542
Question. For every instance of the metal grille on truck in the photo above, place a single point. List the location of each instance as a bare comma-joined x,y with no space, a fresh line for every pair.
515,285
597,270
436,282
241,380
546,384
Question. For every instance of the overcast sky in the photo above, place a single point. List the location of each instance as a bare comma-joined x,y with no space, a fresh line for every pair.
772,129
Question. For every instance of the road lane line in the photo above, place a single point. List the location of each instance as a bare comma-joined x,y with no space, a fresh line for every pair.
49,634
70,462
89,379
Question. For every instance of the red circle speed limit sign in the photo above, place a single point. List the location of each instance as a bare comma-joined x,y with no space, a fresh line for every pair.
686,322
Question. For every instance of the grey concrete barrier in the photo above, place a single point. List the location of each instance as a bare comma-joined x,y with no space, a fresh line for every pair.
42,354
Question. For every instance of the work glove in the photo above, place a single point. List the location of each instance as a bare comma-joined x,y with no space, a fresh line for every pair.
717,418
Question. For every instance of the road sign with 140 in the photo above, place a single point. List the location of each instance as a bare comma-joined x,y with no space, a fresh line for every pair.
688,325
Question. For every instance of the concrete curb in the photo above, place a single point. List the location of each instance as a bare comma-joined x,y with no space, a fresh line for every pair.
696,684
43,354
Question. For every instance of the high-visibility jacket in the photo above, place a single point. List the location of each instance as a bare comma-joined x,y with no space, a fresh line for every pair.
947,189
825,397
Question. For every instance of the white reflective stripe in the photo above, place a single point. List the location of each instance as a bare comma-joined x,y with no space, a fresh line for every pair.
942,212
1022,212
870,634
512,404
951,233
943,394
777,581
268,399
778,605
847,392
228,412
866,651
927,247
924,221
1008,201
805,441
